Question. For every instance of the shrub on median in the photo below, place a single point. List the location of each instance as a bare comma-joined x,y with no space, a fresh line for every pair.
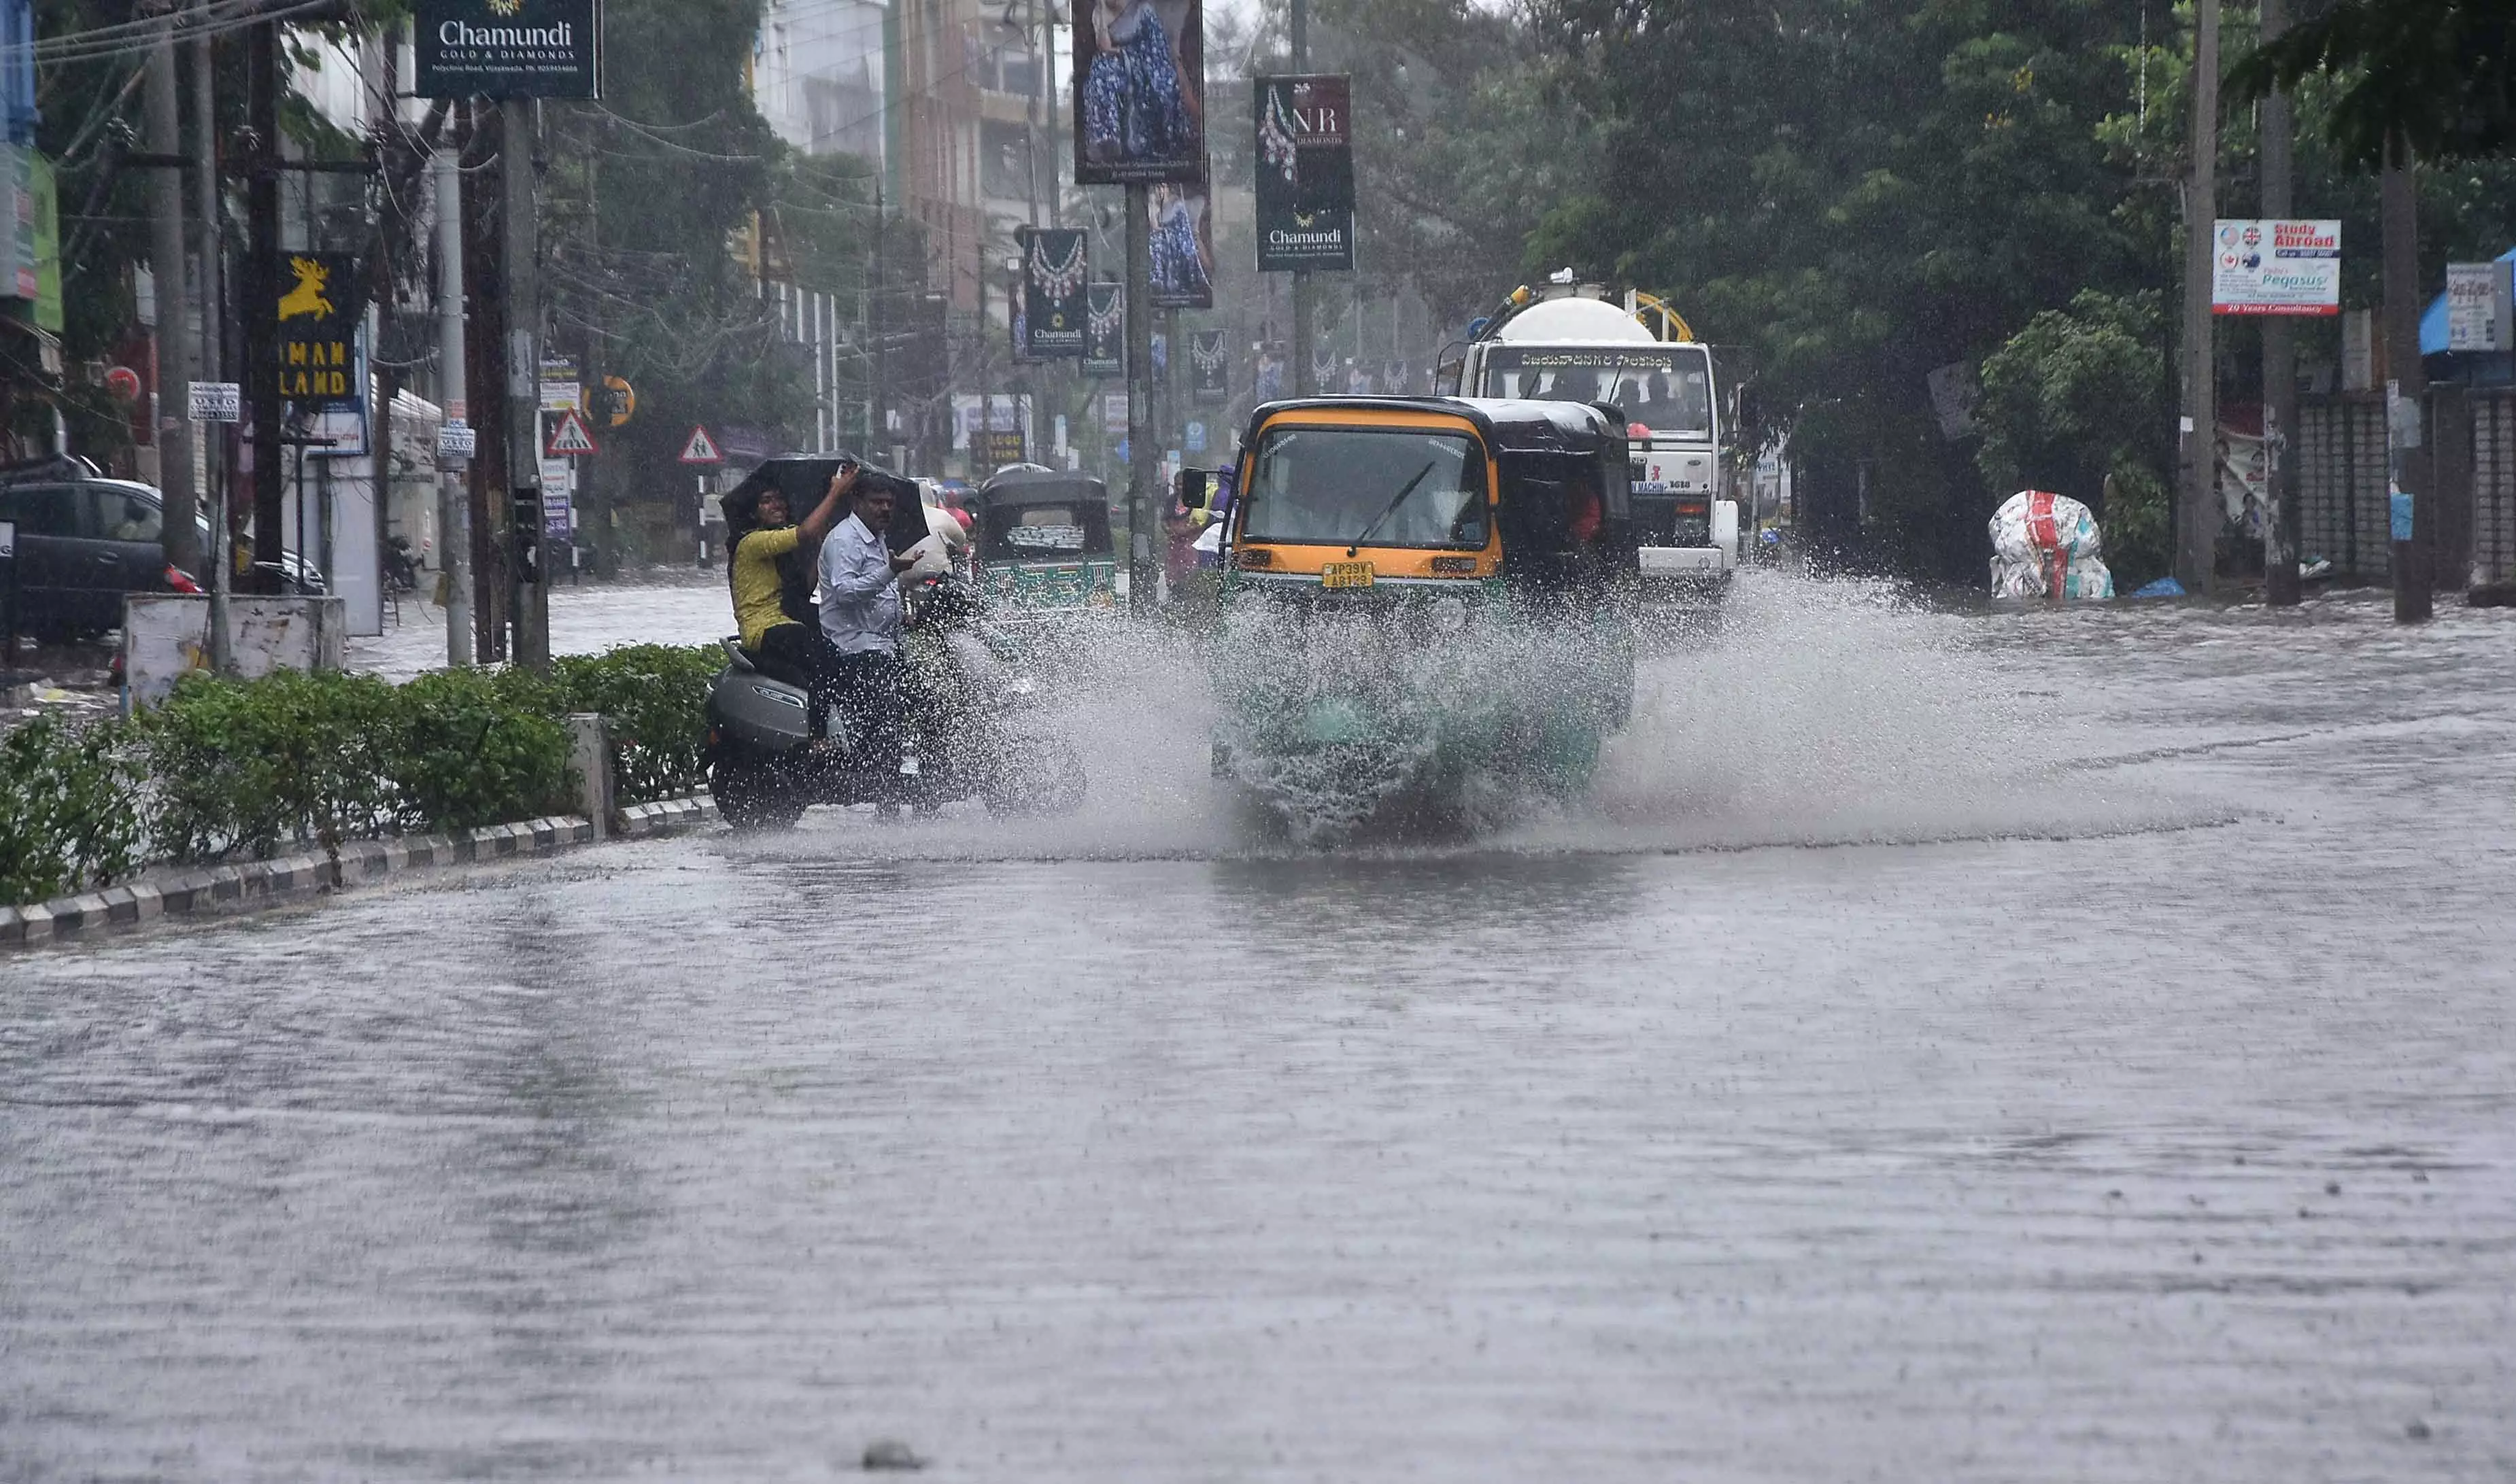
70,810
230,768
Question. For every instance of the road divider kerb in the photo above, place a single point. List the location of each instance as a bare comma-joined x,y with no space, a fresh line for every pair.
204,889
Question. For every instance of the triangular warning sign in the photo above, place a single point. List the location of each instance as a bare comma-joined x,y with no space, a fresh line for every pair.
700,449
568,437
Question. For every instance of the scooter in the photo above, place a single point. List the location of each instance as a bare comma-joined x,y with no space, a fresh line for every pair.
765,766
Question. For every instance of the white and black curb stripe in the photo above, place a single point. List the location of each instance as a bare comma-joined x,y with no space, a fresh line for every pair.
290,878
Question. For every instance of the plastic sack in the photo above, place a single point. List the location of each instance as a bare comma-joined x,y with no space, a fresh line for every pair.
2043,542
934,558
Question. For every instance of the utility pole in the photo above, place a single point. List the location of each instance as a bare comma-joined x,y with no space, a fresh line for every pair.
1140,399
1304,382
260,331
529,606
181,540
878,402
212,362
2407,388
453,495
2279,351
2197,515
485,367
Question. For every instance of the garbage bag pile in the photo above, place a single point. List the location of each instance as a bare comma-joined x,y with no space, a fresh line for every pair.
2041,542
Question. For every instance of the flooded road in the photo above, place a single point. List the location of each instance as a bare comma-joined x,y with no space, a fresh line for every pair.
2023,1047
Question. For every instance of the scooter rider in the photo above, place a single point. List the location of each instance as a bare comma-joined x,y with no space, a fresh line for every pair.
774,639
861,625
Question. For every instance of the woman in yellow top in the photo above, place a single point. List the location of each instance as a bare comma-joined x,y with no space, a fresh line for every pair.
782,646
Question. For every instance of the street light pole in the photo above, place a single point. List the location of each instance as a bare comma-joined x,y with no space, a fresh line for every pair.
2197,519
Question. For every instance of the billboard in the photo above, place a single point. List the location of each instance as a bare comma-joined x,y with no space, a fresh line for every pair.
2477,308
1210,366
1305,173
509,48
1183,247
320,307
1055,277
1104,330
2276,268
1138,91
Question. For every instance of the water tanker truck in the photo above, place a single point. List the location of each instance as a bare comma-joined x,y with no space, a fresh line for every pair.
1570,343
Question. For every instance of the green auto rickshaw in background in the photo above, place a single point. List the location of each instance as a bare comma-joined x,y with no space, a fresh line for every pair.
1043,545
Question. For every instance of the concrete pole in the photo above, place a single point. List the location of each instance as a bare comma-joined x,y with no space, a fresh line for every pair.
2197,512
176,368
260,292
519,247
1304,384
213,347
2280,351
1141,477
454,492
2406,385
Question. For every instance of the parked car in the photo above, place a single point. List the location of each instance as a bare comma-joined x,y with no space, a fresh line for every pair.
84,541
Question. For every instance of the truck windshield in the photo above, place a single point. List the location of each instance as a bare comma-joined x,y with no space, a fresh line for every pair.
1667,388
1328,486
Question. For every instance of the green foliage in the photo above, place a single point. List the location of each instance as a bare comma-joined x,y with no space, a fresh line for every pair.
2136,526
654,696
245,766
474,747
70,815
2072,394
2434,73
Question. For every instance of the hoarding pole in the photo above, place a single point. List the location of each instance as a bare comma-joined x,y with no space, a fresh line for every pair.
453,491
2407,386
180,542
1304,382
260,331
1140,398
2197,519
217,437
529,610
2280,351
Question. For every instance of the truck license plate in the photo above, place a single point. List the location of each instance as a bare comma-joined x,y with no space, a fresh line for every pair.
1346,574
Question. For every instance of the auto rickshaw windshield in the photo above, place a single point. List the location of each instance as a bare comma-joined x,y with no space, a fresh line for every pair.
1384,486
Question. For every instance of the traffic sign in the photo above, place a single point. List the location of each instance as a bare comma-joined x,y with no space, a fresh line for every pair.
217,401
456,440
569,437
702,449
624,399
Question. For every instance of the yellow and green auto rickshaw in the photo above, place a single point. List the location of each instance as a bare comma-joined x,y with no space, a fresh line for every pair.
1042,544
1427,608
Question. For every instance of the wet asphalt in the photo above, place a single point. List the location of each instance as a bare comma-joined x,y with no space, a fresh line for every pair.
2012,1047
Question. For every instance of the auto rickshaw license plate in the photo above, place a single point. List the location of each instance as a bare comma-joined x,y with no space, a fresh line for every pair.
1346,574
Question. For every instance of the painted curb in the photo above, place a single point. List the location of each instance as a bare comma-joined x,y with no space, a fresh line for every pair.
202,890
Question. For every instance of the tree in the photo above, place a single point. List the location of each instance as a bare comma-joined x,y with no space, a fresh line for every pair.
2439,73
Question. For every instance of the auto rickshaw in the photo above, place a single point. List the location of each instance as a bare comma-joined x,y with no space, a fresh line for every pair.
1043,546
1427,608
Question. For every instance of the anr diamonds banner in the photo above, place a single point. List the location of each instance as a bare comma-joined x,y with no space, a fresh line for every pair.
1305,173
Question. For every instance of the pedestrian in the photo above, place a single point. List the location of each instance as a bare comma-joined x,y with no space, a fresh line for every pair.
860,623
780,644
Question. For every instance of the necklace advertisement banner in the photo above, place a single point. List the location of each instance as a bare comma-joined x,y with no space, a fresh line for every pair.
1055,306
1210,362
1305,175
1105,330
1138,91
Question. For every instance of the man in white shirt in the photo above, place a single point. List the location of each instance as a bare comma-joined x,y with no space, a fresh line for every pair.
860,618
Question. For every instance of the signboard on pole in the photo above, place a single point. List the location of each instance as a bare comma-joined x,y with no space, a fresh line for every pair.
1183,247
2477,308
509,48
1104,330
2276,268
1138,91
568,435
317,315
217,403
1055,277
1305,173
455,440
700,448
1211,364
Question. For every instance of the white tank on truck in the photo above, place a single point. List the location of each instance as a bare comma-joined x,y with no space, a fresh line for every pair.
1570,343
